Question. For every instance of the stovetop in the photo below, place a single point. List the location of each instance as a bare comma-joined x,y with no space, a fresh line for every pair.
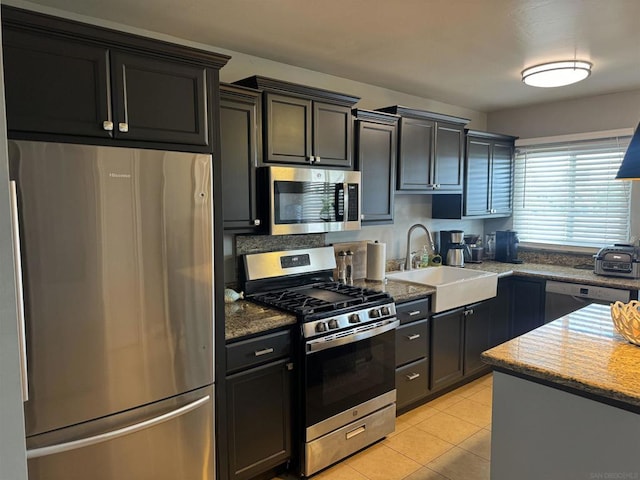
322,299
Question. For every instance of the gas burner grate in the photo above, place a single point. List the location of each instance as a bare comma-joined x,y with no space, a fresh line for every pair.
298,302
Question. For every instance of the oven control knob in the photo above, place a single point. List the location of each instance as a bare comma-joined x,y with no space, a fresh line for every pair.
385,311
375,313
333,323
354,318
321,327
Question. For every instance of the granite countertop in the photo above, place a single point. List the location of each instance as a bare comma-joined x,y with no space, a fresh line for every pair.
581,351
400,291
244,318
561,273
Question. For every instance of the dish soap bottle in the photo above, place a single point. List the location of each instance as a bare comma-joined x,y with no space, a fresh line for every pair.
424,261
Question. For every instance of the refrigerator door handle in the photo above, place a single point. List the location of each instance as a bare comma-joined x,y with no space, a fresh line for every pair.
22,335
104,437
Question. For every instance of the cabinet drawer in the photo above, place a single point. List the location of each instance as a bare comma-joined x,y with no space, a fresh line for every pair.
255,351
414,310
412,342
412,382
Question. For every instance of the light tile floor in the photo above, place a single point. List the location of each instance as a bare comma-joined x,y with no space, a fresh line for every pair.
448,438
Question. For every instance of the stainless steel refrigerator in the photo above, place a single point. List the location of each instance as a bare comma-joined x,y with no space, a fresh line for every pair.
116,263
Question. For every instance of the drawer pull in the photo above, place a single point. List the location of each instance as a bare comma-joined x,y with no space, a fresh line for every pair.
413,376
413,313
264,351
356,432
415,336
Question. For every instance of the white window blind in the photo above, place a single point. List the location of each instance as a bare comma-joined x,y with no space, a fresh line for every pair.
565,193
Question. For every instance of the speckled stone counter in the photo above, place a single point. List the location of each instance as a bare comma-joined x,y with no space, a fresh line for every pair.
582,352
400,291
246,318
561,273
243,318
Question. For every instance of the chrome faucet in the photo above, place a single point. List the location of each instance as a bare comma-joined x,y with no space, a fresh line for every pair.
407,262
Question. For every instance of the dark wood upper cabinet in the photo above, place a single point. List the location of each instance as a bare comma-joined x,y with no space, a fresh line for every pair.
55,85
304,125
240,148
430,151
287,129
488,179
159,100
376,144
68,80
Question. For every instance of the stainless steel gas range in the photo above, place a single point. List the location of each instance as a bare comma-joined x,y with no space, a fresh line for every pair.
345,352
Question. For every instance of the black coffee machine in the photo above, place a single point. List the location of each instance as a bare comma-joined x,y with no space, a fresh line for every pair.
507,246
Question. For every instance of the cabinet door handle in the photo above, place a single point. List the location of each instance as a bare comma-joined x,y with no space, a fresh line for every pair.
264,351
257,222
107,126
415,336
413,376
413,313
123,127
437,186
317,160
311,159
355,432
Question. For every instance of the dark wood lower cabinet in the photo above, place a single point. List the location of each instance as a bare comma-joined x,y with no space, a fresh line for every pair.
527,305
447,337
500,313
477,333
259,419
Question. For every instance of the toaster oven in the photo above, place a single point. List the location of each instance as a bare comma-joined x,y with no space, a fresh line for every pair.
618,261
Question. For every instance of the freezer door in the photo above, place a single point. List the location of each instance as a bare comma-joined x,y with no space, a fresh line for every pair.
117,268
169,440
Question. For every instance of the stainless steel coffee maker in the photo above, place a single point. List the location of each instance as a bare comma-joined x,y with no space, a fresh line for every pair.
452,247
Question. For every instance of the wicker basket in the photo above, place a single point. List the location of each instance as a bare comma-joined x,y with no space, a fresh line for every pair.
626,318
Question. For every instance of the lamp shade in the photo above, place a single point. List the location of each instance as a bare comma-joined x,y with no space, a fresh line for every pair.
630,167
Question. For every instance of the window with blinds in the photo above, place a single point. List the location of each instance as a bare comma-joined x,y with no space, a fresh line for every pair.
565,193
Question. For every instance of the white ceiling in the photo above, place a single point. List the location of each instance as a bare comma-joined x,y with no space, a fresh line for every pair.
463,52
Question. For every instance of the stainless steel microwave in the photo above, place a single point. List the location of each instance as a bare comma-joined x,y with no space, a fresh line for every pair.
312,200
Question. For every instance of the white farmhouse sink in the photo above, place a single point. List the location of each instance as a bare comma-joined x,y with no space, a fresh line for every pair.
454,286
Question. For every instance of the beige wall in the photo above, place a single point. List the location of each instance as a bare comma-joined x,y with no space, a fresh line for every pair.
593,114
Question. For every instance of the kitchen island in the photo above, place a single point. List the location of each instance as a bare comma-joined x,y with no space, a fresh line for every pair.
566,401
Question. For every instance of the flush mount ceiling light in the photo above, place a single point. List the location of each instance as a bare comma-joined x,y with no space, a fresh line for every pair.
556,74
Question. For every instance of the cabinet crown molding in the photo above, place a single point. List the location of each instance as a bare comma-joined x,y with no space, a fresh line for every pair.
21,19
423,114
490,135
284,87
375,116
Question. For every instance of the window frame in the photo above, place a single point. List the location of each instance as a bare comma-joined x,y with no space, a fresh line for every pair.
572,143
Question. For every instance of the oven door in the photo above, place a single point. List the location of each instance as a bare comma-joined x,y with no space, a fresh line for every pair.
357,369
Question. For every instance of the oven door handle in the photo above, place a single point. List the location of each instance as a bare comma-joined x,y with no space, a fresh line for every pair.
320,344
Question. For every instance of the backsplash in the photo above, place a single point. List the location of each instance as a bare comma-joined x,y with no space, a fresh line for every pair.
269,243
555,258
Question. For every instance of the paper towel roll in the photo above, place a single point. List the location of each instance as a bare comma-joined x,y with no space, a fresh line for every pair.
376,259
